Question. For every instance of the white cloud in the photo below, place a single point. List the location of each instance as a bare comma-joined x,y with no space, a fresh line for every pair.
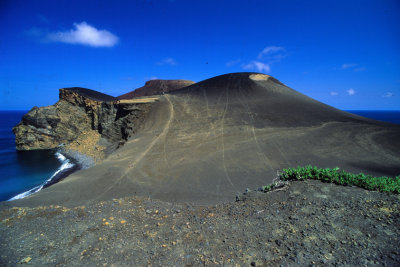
268,56
167,61
276,52
359,69
348,66
334,93
351,91
232,63
85,34
259,66
388,94
353,67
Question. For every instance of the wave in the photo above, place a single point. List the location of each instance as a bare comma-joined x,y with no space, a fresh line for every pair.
66,167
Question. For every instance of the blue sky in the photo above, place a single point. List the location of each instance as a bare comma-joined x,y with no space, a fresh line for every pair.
343,53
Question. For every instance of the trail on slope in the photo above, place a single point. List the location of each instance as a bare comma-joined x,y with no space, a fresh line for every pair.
147,150
222,141
267,161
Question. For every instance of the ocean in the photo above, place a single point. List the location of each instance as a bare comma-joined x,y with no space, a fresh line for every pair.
25,172
392,116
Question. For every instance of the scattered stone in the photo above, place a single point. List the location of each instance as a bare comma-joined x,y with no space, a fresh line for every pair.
26,260
235,233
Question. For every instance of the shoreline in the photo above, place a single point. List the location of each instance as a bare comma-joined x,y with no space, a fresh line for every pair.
71,162
78,158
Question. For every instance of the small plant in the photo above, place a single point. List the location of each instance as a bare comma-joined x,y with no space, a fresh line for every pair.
276,183
267,188
383,184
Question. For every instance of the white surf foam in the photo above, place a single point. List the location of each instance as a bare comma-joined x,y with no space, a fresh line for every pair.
65,164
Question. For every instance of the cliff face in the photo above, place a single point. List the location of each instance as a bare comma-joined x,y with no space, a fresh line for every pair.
79,117
157,87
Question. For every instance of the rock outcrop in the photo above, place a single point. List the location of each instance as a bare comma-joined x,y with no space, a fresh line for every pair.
79,115
157,87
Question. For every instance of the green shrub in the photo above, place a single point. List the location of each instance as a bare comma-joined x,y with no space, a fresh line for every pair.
383,184
276,183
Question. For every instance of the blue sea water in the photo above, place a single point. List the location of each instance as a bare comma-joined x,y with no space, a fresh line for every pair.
23,173
392,116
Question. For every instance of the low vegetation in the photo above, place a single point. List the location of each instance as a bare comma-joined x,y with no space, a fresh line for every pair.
383,184
276,183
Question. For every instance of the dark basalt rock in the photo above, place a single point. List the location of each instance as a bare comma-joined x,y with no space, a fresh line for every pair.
78,111
117,121
48,127
87,93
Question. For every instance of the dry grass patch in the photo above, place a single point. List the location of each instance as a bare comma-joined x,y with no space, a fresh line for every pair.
138,100
259,77
87,144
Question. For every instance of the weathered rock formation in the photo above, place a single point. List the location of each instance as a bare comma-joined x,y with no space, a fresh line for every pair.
79,117
157,87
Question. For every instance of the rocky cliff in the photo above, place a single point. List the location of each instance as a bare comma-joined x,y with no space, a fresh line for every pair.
157,87
83,119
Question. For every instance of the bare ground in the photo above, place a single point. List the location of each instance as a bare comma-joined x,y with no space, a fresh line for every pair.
306,223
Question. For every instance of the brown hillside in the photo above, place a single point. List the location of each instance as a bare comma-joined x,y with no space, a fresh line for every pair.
156,87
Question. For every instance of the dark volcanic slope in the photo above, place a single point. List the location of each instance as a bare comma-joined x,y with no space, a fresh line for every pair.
207,142
262,101
156,87
94,95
